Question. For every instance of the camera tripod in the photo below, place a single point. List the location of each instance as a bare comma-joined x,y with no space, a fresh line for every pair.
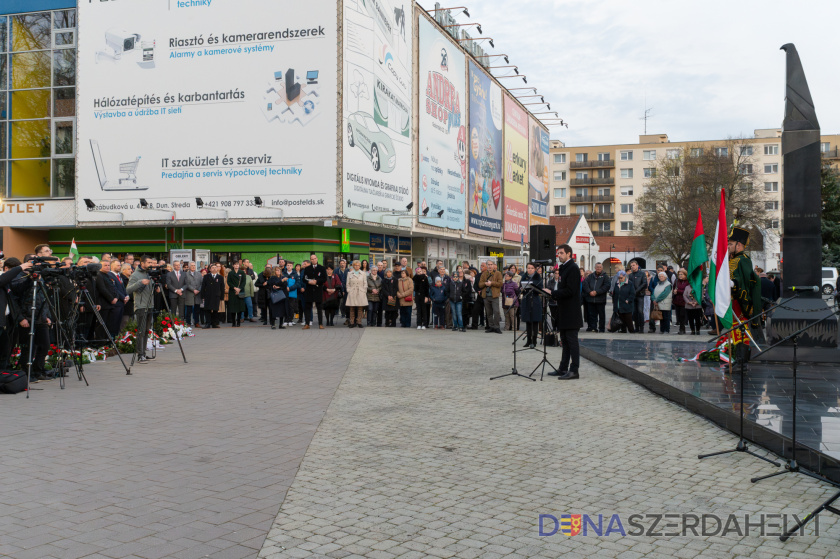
546,328
83,292
156,287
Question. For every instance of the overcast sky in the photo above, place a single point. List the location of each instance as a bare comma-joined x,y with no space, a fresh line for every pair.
711,69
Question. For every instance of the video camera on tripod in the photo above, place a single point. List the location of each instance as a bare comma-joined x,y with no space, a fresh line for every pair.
155,272
49,266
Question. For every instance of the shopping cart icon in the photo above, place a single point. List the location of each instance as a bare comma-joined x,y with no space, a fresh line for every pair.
128,169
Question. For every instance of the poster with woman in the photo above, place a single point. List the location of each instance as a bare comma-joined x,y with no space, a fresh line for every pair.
484,199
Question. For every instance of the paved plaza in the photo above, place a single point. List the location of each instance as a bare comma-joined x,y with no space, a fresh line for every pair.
367,443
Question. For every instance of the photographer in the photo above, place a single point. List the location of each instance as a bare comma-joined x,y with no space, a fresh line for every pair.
12,268
22,288
141,286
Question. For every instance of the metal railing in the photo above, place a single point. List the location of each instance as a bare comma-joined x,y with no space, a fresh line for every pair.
831,154
600,216
592,164
603,233
593,181
591,199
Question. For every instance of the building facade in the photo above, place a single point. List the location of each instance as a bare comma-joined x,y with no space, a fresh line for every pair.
107,137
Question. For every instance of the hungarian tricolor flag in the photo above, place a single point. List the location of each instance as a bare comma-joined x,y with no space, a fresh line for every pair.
74,250
720,291
697,259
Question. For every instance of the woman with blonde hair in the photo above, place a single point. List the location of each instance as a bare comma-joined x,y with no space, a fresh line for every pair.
356,289
679,300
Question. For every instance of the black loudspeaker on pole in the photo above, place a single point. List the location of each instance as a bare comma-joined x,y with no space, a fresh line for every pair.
543,238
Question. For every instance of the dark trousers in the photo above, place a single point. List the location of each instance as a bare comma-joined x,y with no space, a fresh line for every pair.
374,315
144,323
212,316
116,319
476,313
532,330
422,312
440,314
177,306
597,316
571,350
555,315
626,322
695,319
682,317
639,313
100,332
491,312
5,345
307,309
391,313
39,351
405,316
448,312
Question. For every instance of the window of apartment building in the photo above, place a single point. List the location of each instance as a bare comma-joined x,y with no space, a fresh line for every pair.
581,192
627,173
559,192
581,174
559,158
603,192
559,210
746,168
559,175
746,186
772,224
771,206
603,208
626,225
673,170
746,151
603,157
38,85
722,152
771,149
825,147
604,226
696,152
771,168
581,210
650,172
626,155
581,157
771,187
672,153
602,173
626,208
649,154
626,190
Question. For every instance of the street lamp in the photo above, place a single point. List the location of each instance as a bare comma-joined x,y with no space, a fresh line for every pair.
612,246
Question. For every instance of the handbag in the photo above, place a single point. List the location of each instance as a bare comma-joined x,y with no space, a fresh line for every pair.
242,295
277,296
408,298
655,314
508,302
615,323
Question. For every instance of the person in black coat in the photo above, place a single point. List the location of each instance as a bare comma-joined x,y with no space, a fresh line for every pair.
212,291
313,278
421,298
390,301
567,294
530,306
12,268
595,288
106,298
277,284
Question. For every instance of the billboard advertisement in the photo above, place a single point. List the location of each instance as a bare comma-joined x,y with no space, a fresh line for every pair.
180,103
443,140
377,106
538,172
484,198
516,172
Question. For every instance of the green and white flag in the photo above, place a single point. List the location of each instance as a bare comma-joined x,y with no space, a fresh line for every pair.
74,251
697,259
720,291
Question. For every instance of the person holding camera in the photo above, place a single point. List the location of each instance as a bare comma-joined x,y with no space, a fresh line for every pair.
12,268
141,287
22,287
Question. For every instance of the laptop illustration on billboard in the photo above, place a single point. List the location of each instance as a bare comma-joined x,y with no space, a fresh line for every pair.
128,182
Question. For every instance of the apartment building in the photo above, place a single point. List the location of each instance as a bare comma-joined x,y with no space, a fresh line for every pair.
603,182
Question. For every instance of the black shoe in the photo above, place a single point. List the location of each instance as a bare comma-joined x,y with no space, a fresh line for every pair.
216,326
557,373
150,357
360,326
205,327
142,361
488,331
569,375
281,327
497,331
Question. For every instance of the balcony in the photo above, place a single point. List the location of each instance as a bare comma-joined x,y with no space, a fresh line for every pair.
600,216
593,181
603,233
592,164
591,199
831,154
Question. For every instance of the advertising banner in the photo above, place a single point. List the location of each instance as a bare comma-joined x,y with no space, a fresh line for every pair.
538,175
443,140
377,106
516,172
485,145
179,100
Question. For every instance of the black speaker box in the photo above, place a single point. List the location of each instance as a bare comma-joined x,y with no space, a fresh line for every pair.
542,243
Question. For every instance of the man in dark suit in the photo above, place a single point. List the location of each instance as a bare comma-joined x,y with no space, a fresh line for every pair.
12,268
176,283
567,294
106,296
314,278
212,291
122,298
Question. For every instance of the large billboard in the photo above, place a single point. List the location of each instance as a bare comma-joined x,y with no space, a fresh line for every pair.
377,106
177,102
443,146
484,198
538,172
516,172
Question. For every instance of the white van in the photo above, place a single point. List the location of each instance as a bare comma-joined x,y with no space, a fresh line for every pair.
829,280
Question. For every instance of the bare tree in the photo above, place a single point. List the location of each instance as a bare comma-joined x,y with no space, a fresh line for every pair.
667,209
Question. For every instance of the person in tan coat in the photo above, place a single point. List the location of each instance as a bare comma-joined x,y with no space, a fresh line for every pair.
489,288
356,294
405,293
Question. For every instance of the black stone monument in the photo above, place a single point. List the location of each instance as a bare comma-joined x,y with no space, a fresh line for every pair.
801,237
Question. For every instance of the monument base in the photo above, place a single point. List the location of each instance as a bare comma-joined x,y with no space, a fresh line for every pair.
818,344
